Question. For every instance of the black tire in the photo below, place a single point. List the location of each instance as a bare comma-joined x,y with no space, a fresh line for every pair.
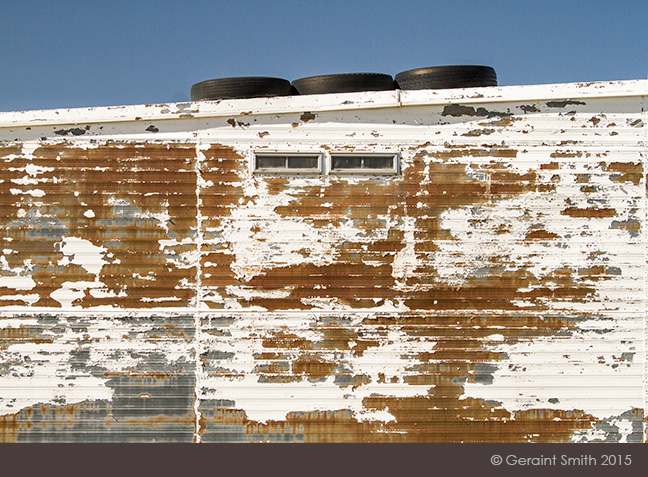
241,87
447,77
344,83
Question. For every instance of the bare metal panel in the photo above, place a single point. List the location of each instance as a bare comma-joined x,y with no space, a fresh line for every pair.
154,288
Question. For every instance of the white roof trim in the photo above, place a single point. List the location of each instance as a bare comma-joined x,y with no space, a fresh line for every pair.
322,102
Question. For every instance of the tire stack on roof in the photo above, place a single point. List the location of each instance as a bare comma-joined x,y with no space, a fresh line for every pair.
435,77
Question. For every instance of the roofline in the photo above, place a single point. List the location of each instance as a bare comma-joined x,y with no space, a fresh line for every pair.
322,103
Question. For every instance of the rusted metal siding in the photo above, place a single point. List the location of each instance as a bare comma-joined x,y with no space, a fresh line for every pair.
152,288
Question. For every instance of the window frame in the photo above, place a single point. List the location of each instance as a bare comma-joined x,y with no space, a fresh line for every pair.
386,171
325,160
316,171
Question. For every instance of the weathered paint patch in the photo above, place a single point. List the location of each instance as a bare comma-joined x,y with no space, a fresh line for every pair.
100,377
102,218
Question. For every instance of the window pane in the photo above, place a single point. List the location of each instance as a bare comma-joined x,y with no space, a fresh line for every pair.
363,162
378,162
347,162
271,162
302,162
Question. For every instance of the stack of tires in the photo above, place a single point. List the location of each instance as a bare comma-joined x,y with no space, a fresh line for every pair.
435,77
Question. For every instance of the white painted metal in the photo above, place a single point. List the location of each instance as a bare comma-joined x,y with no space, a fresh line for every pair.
599,367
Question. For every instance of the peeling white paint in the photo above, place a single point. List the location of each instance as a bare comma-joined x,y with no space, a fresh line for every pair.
278,241
71,291
585,371
273,401
405,261
17,282
82,252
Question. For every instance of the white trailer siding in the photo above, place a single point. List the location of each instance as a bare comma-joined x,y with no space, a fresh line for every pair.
153,287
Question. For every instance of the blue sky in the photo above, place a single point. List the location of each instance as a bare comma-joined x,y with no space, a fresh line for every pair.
68,53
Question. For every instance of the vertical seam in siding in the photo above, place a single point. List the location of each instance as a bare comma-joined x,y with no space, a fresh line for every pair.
197,338
644,153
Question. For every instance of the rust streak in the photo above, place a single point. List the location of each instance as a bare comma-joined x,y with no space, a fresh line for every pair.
592,212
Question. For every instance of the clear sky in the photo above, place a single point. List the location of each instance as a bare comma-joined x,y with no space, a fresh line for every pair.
68,53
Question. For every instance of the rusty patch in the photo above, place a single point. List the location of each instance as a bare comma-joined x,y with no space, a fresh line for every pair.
313,368
624,171
72,131
479,132
95,421
501,122
22,334
529,108
143,374
235,122
591,212
562,104
115,201
567,153
9,427
541,234
470,152
458,110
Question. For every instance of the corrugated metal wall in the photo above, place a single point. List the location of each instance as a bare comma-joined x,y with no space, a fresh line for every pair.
154,289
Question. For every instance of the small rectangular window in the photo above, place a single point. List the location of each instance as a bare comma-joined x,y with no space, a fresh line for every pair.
287,163
364,164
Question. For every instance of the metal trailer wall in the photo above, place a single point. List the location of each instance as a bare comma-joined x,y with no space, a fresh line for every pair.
152,288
